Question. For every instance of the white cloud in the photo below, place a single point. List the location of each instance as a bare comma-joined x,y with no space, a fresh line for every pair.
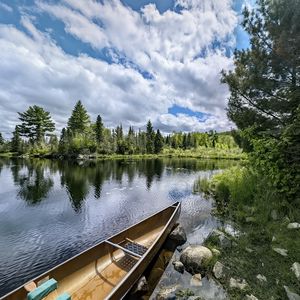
6,7
35,70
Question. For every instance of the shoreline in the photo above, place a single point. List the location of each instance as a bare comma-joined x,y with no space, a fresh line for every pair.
81,157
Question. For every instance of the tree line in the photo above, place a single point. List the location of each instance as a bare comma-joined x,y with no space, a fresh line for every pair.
35,135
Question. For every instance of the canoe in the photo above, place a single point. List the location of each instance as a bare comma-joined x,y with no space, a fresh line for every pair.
107,270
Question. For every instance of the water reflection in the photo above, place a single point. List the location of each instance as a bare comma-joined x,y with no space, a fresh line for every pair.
31,178
34,177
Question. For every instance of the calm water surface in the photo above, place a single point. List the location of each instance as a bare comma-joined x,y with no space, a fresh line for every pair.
52,210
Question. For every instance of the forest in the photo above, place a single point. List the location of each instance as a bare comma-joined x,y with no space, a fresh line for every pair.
34,136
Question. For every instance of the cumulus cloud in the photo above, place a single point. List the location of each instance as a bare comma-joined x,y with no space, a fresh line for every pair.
174,47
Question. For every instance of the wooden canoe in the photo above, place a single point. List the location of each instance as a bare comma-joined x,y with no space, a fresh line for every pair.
109,269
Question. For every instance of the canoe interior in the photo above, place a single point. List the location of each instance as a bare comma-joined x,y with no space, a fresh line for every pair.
95,273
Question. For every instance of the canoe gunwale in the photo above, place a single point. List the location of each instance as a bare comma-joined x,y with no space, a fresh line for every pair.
176,207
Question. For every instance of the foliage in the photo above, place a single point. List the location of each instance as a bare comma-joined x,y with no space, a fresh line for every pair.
150,134
99,128
248,199
83,137
36,122
265,94
264,85
79,121
158,142
16,142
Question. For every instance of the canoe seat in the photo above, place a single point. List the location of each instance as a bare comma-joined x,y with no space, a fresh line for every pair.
43,290
64,296
134,247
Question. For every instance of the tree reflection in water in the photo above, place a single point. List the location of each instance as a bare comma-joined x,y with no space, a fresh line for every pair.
29,176
34,177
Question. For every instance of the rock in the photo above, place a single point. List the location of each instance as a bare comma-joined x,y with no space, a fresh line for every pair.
296,269
261,278
196,258
293,225
238,283
215,252
281,251
251,297
221,239
274,215
218,270
178,266
167,293
141,287
196,280
178,235
249,250
291,295
250,219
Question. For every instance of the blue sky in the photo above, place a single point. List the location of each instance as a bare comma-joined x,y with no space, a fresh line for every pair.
127,60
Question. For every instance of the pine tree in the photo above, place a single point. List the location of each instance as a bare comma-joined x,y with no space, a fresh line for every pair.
158,142
99,130
16,142
1,139
36,122
150,138
79,121
63,141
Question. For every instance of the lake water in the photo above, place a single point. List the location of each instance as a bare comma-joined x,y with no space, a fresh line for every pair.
52,210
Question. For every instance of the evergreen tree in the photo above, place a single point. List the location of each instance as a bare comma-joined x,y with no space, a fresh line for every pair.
16,142
150,134
264,85
131,140
35,123
158,142
1,139
99,130
79,121
63,141
121,147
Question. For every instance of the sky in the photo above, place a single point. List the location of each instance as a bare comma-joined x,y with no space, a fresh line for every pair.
127,60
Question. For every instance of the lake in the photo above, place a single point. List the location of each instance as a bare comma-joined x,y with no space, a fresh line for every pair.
51,210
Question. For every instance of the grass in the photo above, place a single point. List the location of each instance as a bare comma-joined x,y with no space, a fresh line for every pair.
262,217
200,152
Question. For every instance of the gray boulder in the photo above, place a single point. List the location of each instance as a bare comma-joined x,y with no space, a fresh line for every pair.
296,269
167,293
196,258
196,280
141,287
293,225
178,266
291,295
218,270
178,235
251,297
240,284
281,251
